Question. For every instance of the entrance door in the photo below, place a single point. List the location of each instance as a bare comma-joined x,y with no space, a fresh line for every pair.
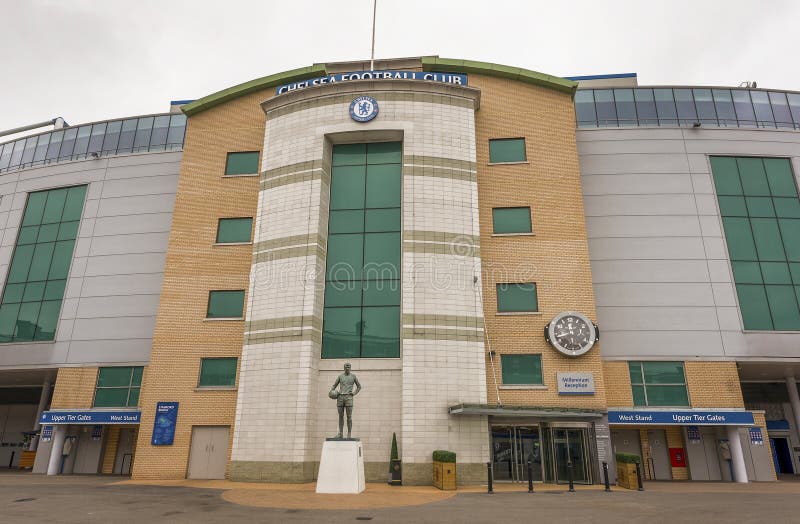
781,455
659,468
209,452
124,458
512,448
570,445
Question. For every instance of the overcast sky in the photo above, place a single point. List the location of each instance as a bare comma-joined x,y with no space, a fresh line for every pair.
93,60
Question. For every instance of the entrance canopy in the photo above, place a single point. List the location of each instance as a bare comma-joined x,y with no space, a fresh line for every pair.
523,411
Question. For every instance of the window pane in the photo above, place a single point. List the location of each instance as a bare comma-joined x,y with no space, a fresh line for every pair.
780,109
82,142
96,139
68,144
753,176
645,107
48,233
26,321
349,155
762,109
244,163
378,220
748,272
753,304
744,108
724,106
8,321
521,369
783,305
341,332
733,206
33,292
74,204
383,185
381,337
768,239
347,221
381,256
234,230
67,230
54,207
114,397
667,396
604,103
787,207
13,293
348,184
40,265
635,371
584,108
48,318
790,233
5,155
112,136
225,304
54,290
665,105
780,177
626,110
160,129
684,101
62,256
55,145
16,153
127,135
143,130
663,372
345,257
30,148
136,378
638,396
133,397
740,238
34,208
794,108
726,175
760,207
341,294
177,128
20,264
381,293
511,220
217,372
114,377
517,297
507,150
384,153
28,235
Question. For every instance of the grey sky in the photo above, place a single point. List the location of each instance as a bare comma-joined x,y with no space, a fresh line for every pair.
92,60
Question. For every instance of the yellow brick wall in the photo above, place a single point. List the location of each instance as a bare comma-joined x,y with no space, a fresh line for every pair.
618,383
761,421
110,452
194,267
556,257
74,388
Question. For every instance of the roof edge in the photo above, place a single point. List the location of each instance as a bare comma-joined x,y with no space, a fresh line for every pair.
220,97
451,65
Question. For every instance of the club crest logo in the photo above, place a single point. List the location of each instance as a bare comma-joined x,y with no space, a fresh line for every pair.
363,109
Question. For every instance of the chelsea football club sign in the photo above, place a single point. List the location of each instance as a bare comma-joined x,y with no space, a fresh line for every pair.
363,109
425,76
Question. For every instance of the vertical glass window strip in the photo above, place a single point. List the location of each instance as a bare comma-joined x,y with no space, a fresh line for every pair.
705,107
112,136
584,108
41,148
665,107
606,112
780,109
177,128
362,289
762,108
684,102
82,142
2,155
626,109
5,155
723,103
160,129
68,144
30,149
55,145
645,107
744,108
40,264
143,131
16,153
96,139
794,108
760,211
127,135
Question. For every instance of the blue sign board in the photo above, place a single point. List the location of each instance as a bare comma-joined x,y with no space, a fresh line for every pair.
696,418
90,417
47,433
164,423
445,78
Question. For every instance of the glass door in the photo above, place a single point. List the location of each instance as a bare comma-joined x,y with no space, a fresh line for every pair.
569,445
512,448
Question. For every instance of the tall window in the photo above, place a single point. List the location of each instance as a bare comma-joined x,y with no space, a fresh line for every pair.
39,267
118,387
362,280
761,214
658,384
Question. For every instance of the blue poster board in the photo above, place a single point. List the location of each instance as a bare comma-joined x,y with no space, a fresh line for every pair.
164,423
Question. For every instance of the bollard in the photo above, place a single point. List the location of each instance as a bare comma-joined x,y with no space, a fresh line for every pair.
530,477
605,476
11,460
569,472
489,469
639,476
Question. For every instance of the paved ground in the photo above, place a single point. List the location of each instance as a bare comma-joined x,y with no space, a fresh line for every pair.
33,498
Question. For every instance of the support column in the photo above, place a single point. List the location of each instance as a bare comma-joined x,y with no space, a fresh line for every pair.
794,398
59,435
737,455
44,398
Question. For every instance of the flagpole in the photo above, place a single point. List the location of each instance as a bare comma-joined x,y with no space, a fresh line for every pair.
372,56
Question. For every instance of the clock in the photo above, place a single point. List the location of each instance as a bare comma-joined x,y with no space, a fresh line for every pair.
571,334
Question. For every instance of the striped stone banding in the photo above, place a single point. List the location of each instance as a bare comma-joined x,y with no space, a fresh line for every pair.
429,319
438,333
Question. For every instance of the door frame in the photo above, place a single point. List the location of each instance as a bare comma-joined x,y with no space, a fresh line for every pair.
518,469
191,440
586,443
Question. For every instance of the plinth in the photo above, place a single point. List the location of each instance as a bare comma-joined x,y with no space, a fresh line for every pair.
341,468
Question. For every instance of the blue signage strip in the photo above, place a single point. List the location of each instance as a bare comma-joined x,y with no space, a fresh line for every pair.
164,424
90,417
694,418
445,78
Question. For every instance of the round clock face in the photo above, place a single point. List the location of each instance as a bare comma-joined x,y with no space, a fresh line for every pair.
571,333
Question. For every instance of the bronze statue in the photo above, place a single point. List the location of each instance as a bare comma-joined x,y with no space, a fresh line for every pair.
344,397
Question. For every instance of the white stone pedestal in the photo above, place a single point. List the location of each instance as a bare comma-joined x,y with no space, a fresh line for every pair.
341,468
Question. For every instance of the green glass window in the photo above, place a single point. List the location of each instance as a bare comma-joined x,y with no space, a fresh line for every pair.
760,210
225,304
521,369
506,220
242,163
40,265
362,278
118,387
217,372
232,230
516,298
658,384
507,150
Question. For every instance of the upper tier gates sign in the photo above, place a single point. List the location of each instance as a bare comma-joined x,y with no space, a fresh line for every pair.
425,76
